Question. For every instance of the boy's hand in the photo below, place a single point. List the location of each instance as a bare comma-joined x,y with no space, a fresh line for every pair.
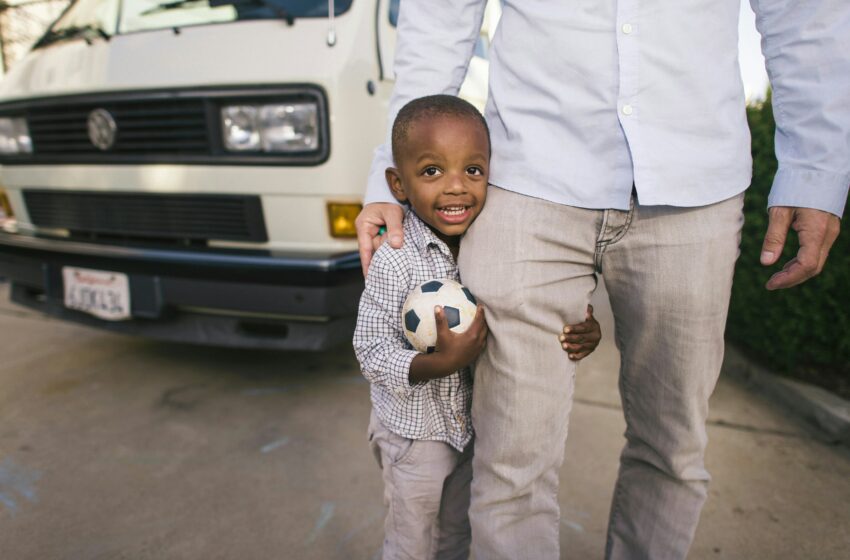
460,349
581,339
454,350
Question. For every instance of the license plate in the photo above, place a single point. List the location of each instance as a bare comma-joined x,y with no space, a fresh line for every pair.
101,293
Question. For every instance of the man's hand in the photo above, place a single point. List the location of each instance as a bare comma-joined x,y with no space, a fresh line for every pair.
581,339
816,230
369,222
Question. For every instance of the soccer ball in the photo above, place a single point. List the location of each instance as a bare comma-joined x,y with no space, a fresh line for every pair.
417,314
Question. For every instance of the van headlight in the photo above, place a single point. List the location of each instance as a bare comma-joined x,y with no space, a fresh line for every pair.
14,136
273,128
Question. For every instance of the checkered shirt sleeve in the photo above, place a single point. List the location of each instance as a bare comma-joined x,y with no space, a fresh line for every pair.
379,341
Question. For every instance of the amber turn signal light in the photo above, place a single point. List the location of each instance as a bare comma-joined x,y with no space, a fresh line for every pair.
5,206
341,217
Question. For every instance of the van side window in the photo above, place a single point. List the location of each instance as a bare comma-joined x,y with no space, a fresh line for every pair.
394,12
482,47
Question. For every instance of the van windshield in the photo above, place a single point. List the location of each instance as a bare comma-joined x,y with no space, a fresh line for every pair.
90,19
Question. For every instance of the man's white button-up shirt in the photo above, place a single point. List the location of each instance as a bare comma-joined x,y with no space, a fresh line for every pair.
590,97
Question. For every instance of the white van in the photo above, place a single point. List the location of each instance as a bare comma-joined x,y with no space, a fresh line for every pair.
190,170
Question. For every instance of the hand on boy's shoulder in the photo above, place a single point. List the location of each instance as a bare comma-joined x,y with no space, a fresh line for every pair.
390,264
386,247
387,252
368,223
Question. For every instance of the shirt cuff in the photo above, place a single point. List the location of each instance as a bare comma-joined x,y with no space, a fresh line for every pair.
804,188
399,381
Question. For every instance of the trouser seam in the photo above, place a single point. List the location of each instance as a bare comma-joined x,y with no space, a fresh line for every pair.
602,245
615,515
618,489
625,228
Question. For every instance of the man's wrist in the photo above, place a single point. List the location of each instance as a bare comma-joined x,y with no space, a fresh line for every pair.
830,194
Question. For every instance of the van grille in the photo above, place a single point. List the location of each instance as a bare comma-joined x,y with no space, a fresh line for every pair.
160,125
149,216
180,126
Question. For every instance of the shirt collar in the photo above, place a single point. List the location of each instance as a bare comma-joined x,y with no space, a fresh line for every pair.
423,236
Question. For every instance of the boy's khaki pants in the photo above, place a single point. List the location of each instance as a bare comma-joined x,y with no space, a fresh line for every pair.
533,265
426,491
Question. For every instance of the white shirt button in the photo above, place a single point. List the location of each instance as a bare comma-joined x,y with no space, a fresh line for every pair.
627,110
627,28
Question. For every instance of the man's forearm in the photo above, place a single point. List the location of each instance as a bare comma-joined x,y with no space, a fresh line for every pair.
805,46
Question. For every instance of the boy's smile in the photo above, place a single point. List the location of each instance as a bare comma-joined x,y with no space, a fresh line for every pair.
442,173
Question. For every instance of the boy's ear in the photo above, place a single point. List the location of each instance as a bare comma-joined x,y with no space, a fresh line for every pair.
394,182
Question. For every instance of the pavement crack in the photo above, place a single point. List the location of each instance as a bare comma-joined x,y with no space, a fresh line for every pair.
754,429
718,423
19,314
184,398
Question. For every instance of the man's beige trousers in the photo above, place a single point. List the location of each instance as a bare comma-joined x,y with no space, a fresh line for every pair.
533,264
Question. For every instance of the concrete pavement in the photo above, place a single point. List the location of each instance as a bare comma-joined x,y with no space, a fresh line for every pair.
113,447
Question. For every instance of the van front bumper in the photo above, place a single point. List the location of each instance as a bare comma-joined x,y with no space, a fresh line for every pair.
221,297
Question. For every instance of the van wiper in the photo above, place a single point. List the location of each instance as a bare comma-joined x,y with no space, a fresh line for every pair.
74,32
176,4
165,6
279,10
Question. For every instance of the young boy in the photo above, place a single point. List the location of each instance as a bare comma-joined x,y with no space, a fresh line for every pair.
420,429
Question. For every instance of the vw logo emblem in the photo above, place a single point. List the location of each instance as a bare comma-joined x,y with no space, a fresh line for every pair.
102,129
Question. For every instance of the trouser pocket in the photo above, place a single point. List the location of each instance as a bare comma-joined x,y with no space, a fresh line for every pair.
388,446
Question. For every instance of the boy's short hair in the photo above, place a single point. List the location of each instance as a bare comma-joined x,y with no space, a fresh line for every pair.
429,107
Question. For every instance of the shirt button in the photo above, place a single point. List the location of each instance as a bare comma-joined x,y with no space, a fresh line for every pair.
627,110
627,28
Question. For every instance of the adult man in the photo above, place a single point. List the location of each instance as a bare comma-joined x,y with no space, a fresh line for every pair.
620,146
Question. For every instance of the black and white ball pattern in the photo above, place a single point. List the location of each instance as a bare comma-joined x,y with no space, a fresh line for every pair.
417,314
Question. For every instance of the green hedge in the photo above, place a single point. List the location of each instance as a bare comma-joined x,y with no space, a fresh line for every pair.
804,331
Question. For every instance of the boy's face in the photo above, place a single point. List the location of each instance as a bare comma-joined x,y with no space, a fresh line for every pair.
443,172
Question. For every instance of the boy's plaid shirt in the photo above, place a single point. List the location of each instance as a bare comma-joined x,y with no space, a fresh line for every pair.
435,410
